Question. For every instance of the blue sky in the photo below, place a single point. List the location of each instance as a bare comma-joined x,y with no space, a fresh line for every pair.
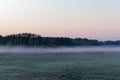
98,19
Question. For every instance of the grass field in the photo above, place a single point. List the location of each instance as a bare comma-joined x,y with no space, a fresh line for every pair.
60,67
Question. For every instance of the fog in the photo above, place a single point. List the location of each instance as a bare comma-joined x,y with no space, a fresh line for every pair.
43,50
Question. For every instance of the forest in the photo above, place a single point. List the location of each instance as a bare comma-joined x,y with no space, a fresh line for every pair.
29,39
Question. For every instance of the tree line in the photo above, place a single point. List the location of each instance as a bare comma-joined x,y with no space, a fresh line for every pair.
29,39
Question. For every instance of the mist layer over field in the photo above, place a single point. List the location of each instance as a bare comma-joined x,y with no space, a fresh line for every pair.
41,50
67,66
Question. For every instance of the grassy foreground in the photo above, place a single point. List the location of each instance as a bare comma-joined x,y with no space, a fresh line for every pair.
60,67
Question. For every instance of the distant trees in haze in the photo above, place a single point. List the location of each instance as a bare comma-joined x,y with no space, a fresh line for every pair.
28,39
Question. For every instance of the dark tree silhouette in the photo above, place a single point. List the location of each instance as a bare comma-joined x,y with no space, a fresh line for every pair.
28,39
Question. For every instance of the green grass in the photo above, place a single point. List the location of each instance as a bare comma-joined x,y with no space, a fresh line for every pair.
60,67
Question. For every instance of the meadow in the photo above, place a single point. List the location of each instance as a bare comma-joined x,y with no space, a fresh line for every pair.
83,66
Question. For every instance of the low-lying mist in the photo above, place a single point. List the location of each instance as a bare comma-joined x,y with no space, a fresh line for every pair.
42,50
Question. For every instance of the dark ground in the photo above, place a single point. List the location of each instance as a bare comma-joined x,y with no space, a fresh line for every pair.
89,66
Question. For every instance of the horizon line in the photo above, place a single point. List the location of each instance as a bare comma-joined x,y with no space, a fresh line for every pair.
55,36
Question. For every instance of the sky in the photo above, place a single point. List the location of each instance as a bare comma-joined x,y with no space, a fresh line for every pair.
94,19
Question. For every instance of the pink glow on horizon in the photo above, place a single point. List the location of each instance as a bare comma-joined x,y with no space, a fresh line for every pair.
96,19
